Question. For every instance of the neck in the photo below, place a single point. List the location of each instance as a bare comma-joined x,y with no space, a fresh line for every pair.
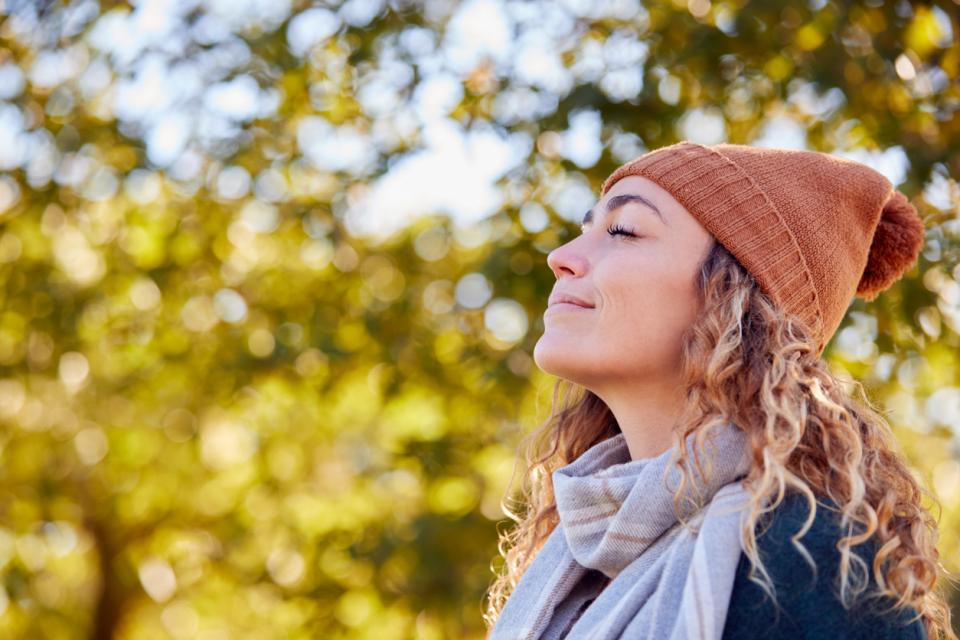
647,415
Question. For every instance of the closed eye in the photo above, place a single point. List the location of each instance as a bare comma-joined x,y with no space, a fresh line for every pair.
617,230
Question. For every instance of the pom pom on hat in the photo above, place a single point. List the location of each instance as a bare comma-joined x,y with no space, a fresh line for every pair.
896,244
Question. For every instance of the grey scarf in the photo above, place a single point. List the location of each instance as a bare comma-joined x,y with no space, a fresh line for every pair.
617,517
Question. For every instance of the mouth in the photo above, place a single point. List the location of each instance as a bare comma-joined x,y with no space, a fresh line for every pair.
568,300
557,306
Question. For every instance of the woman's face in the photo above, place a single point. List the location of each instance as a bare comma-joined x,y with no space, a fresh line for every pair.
641,290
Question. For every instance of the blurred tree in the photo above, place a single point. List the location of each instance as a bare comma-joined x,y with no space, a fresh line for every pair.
271,275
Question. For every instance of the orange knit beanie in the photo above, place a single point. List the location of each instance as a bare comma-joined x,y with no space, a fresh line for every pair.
814,230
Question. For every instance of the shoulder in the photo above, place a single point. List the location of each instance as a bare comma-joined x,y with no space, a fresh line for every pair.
808,597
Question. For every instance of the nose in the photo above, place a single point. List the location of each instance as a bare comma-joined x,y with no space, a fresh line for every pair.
567,258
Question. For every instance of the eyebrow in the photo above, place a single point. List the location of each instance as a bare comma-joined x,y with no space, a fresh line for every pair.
618,201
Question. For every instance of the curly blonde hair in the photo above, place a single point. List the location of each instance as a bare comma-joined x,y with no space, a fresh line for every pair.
746,361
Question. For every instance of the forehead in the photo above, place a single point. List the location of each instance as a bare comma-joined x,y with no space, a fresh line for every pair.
618,200
637,184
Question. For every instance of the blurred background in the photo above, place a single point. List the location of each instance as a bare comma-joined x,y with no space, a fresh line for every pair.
271,273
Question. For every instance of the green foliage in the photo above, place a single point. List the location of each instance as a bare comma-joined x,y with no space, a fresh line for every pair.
224,413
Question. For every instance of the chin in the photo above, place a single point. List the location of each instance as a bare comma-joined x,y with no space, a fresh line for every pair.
559,359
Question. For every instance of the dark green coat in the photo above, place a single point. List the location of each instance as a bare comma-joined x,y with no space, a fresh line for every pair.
809,608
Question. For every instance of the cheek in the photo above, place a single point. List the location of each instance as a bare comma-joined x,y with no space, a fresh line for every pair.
646,301
645,281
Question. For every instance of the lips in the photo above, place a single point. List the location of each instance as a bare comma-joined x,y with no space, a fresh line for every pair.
564,298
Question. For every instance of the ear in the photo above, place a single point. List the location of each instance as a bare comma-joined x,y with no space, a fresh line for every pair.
896,245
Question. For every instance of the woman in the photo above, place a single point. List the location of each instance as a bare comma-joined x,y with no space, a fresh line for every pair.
692,310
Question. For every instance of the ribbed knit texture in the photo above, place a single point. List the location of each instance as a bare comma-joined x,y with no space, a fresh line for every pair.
617,517
813,229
